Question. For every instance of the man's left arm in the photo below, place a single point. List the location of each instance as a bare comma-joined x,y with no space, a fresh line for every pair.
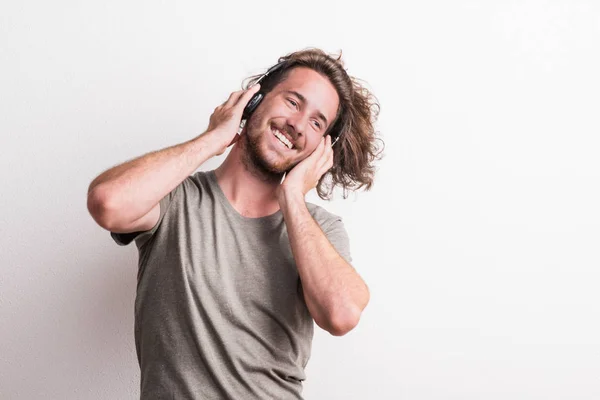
334,292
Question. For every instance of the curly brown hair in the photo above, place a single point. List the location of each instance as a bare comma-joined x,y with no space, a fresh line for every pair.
357,149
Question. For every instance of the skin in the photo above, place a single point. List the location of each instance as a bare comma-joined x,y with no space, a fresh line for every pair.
251,176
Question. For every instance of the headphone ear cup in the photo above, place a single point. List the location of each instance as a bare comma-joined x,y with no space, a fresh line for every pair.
252,104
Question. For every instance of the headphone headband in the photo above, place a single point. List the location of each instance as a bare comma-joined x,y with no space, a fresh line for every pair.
270,71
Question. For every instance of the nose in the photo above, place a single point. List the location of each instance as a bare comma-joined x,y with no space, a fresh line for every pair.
298,123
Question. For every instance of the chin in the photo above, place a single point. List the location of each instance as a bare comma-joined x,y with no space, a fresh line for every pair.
274,163
260,151
265,159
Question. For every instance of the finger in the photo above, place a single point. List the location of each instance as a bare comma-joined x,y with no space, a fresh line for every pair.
326,161
323,170
322,147
247,95
323,152
327,153
328,142
324,167
233,98
315,156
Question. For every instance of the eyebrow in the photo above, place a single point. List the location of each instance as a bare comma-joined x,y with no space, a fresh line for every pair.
303,99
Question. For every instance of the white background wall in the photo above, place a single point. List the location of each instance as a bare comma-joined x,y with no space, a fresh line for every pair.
479,241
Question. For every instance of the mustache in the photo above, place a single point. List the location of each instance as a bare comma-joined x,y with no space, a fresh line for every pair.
287,130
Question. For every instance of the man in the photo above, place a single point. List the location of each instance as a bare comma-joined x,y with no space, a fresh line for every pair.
234,265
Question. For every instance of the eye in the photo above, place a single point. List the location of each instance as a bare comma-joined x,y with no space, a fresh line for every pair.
292,102
317,124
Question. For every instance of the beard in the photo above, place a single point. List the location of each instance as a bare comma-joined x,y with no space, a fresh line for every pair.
254,154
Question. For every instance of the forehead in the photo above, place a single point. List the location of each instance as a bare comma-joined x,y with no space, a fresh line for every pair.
320,94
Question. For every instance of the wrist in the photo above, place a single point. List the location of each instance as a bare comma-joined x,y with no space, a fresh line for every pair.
212,142
289,194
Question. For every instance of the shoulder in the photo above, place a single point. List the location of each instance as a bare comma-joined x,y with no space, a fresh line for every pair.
323,217
200,177
333,227
198,182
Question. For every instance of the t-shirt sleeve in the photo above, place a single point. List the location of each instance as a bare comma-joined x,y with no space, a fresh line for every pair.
338,237
141,237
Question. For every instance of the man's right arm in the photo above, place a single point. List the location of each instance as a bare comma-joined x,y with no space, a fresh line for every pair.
126,197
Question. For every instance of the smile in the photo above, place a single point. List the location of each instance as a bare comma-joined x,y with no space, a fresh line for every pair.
282,138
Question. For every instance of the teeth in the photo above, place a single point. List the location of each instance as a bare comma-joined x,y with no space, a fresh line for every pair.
281,137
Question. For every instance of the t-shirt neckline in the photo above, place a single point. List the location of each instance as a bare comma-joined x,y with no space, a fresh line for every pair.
223,199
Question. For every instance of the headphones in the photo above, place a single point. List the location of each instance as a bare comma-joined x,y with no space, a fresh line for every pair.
259,96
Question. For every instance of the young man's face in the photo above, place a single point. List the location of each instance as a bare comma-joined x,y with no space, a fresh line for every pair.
301,108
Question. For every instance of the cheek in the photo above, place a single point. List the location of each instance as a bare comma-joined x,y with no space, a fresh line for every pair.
313,142
272,107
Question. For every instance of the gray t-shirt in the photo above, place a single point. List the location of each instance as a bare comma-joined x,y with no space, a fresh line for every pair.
219,310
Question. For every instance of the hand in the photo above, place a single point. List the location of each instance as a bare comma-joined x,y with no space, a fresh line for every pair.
225,120
306,174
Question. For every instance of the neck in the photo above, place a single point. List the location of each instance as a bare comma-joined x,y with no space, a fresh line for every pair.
251,191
